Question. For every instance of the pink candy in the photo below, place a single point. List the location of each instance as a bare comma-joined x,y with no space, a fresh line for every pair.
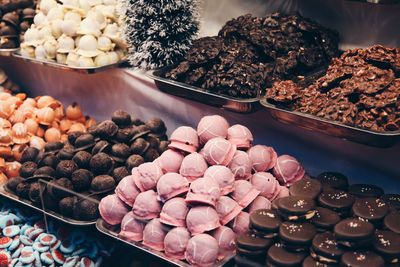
146,206
154,233
212,126
226,240
127,191
223,176
227,209
174,212
262,157
171,185
175,243
193,166
240,136
267,185
219,151
184,138
204,190
169,161
241,223
201,219
132,228
112,209
288,170
240,165
202,250
146,176
259,203
244,193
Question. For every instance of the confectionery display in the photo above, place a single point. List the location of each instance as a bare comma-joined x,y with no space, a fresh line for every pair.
75,33
196,197
360,88
250,53
91,163
6,84
321,225
15,18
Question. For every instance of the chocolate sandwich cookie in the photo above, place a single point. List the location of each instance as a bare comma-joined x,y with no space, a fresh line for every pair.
333,180
325,248
370,209
265,223
354,233
325,219
278,255
296,208
336,200
362,258
387,244
274,204
306,188
252,242
310,262
296,236
393,200
365,190
392,221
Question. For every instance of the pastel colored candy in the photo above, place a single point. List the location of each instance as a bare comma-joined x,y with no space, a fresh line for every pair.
174,212
201,219
58,256
112,209
71,261
17,252
15,243
146,206
175,243
184,138
131,227
169,161
267,184
223,176
226,240
27,255
171,185
240,165
202,250
56,245
244,193
259,203
11,230
46,257
146,176
241,223
5,242
48,240
204,191
219,151
262,157
227,209
35,233
154,233
288,170
193,167
212,126
240,136
5,258
40,247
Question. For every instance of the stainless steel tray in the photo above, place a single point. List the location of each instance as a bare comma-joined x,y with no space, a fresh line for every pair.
65,67
7,52
8,194
332,128
112,231
201,95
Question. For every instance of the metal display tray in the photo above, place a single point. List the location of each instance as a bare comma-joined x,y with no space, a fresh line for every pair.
8,194
112,231
332,128
7,52
184,90
84,70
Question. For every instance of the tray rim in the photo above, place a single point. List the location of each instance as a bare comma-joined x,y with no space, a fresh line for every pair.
266,104
9,195
7,52
88,70
100,227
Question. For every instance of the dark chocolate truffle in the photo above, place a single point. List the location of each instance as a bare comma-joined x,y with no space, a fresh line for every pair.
66,153
107,129
53,146
82,159
27,169
22,189
133,161
73,136
49,160
153,140
151,154
65,168
12,183
140,131
84,141
81,179
102,183
34,192
101,146
56,188
163,147
45,171
119,173
101,163
66,206
124,135
156,125
121,118
136,121
86,210
139,146
120,151
29,154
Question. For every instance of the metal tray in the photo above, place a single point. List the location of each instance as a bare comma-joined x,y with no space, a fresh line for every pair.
332,128
8,194
65,67
201,95
112,231
7,52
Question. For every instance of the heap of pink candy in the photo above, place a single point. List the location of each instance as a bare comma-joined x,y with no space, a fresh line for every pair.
194,199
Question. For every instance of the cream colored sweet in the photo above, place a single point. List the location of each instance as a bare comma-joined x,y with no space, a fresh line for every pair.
87,46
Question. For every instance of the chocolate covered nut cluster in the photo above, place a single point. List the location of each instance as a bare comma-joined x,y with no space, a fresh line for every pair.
250,53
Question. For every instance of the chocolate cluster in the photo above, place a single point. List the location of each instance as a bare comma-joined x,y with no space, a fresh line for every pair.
15,18
360,88
250,53
91,164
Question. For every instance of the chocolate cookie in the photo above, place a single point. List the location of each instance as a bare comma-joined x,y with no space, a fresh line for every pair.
362,258
324,219
265,223
336,200
333,179
310,262
296,235
392,221
280,256
252,242
296,208
393,200
365,190
354,232
305,188
370,209
387,244
326,249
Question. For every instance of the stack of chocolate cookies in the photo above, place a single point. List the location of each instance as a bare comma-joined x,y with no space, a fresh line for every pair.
91,164
325,222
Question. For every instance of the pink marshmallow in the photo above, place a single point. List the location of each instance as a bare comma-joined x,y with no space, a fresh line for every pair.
241,223
288,170
146,206
259,203
112,209
240,136
193,167
262,157
244,193
223,176
226,241
267,184
171,185
127,191
184,138
205,191
227,209
174,212
202,250
212,126
131,228
154,233
201,219
240,165
175,243
146,176
219,151
169,161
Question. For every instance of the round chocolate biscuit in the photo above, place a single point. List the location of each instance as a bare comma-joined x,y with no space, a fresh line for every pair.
393,200
250,253
296,208
305,188
310,262
325,248
325,218
392,221
265,221
387,244
297,234
365,190
353,229
362,258
251,241
280,256
337,200
370,209
334,180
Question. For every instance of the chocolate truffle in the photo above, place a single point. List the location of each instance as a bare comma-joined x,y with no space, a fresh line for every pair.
151,154
101,163
133,161
153,140
66,206
136,121
139,146
56,188
66,153
120,152
124,135
65,168
156,125
49,160
107,129
121,118
81,179
45,171
84,141
73,136
119,173
140,131
102,183
86,210
101,146
82,159
12,183
22,189
54,146
27,169
29,154
34,192
163,146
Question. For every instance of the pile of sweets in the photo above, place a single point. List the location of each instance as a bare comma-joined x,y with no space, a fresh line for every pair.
250,53
15,18
325,222
360,88
27,122
196,197
91,164
84,33
24,241
6,84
